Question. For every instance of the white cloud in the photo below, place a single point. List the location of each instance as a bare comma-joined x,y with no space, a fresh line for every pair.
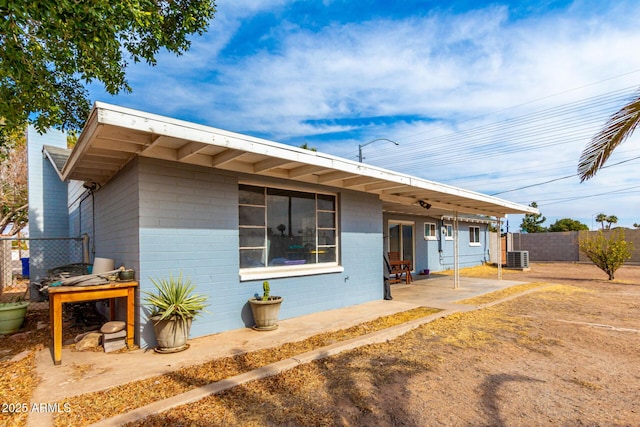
448,67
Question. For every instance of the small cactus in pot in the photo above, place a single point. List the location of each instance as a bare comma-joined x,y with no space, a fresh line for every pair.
265,309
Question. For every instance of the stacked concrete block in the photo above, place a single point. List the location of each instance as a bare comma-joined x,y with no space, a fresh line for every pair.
114,336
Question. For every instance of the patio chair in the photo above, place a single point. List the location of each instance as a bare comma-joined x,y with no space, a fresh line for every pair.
399,267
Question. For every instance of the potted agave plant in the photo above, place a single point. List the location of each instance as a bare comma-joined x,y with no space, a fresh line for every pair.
265,309
173,307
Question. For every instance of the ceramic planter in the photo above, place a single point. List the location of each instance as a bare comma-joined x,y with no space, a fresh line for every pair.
172,333
265,313
11,316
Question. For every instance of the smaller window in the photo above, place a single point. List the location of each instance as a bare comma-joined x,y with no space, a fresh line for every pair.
474,236
429,231
447,231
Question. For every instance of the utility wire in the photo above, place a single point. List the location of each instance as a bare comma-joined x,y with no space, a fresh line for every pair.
561,125
561,178
608,193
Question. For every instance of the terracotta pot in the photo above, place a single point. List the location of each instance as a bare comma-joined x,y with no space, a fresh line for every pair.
265,313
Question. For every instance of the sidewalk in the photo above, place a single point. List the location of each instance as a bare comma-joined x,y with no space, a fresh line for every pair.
83,372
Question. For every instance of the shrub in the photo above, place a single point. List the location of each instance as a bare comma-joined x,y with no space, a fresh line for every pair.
608,254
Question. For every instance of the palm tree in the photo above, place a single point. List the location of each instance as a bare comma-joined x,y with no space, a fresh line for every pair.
618,128
601,218
611,219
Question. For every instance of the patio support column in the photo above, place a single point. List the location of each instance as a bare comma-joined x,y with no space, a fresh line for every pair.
456,253
499,247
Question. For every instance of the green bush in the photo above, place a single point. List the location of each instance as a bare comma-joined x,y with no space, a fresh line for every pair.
608,254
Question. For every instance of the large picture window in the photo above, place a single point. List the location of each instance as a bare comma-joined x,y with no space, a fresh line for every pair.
286,228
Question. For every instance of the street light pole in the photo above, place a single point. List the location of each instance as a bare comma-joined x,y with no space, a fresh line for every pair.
364,145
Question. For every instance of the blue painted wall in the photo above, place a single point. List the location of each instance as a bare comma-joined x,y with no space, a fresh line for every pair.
437,254
469,255
161,218
188,222
48,214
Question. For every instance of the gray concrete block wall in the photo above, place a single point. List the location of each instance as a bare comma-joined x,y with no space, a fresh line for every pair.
564,246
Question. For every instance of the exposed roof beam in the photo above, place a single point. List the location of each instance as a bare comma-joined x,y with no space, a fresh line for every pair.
333,177
361,180
116,145
226,157
301,171
190,149
381,186
267,164
108,154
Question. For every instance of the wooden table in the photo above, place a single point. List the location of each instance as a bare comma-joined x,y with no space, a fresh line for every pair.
398,267
61,294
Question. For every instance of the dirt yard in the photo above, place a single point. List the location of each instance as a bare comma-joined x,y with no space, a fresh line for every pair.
567,354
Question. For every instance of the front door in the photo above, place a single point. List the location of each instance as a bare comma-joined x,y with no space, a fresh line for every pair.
401,235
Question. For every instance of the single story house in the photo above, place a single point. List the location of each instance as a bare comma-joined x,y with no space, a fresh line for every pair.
162,196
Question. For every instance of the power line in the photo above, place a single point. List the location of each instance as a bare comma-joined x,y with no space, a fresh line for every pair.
608,193
513,107
560,125
561,178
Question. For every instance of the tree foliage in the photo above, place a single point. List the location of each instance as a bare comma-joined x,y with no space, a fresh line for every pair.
618,128
13,184
607,253
532,223
568,224
609,219
51,49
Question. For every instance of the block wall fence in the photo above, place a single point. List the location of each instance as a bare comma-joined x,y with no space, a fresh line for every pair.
564,245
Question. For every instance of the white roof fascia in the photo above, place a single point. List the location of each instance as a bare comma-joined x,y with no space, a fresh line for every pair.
107,114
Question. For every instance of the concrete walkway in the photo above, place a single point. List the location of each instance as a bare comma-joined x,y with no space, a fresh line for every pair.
84,372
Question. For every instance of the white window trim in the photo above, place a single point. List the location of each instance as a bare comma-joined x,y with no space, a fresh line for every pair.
435,231
445,234
470,234
288,271
271,272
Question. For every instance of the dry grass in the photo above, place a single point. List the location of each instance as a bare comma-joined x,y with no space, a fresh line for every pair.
309,394
501,294
585,384
133,395
484,271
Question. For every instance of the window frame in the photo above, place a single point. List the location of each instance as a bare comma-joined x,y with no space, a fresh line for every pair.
473,234
447,231
270,271
432,233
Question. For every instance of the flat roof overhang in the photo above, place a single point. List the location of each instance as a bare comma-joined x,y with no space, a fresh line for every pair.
114,135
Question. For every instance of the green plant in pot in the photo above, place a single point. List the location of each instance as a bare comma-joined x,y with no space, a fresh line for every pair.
173,307
12,314
265,309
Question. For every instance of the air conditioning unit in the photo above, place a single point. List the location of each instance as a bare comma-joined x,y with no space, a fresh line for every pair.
518,259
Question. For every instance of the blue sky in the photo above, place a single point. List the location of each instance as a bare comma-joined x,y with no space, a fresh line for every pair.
496,97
